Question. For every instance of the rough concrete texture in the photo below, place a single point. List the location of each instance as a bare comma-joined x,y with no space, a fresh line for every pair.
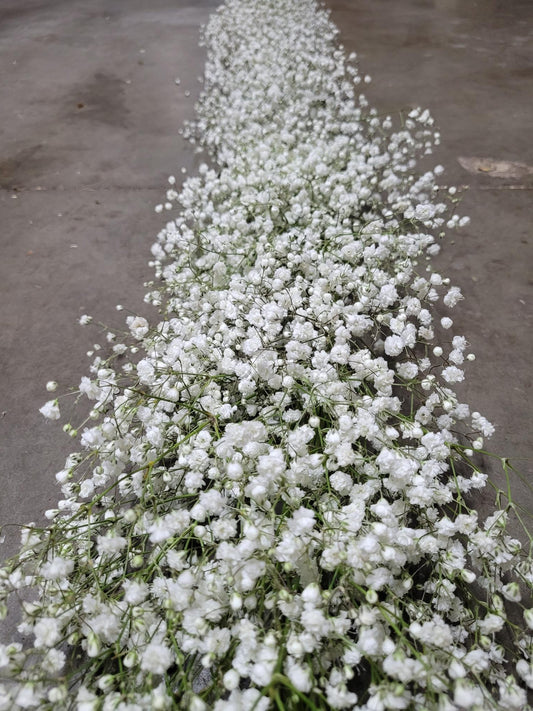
89,114
470,62
89,119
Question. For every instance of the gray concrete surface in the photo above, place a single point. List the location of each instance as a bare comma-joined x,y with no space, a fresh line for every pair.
89,114
471,63
89,119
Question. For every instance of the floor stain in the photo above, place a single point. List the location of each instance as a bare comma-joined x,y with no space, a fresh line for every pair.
496,168
27,163
101,99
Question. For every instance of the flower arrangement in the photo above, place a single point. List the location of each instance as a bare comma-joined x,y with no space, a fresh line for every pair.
270,506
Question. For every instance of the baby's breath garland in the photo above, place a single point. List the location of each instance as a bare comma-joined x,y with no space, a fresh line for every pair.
271,508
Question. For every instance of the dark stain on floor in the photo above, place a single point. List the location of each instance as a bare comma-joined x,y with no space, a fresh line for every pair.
101,99
18,12
26,164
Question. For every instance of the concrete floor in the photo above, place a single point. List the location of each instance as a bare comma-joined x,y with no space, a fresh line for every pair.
89,114
89,119
470,62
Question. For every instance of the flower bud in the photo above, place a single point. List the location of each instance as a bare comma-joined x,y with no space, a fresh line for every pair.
196,704
485,641
511,592
528,617
468,575
130,659
106,682
497,603
57,694
158,701
137,560
93,645
231,680
235,601
371,596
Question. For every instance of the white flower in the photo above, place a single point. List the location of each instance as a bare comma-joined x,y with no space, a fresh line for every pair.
528,617
477,660
456,669
339,697
242,701
407,370
90,388
452,296
146,371
490,623
511,592
525,671
27,697
156,658
54,660
511,695
299,675
135,592
86,700
315,622
231,679
482,424
435,632
452,374
47,632
302,521
394,345
110,544
50,410
466,695
168,526
341,482
138,326
235,470
57,568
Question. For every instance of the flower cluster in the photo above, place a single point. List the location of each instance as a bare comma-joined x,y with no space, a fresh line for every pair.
269,509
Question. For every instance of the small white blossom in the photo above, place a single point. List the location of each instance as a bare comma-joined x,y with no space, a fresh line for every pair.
138,326
156,658
57,568
50,410
452,374
394,345
47,632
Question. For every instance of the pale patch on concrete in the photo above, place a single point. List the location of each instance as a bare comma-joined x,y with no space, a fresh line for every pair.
496,168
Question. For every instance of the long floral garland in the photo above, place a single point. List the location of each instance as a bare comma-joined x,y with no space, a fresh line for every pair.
270,509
